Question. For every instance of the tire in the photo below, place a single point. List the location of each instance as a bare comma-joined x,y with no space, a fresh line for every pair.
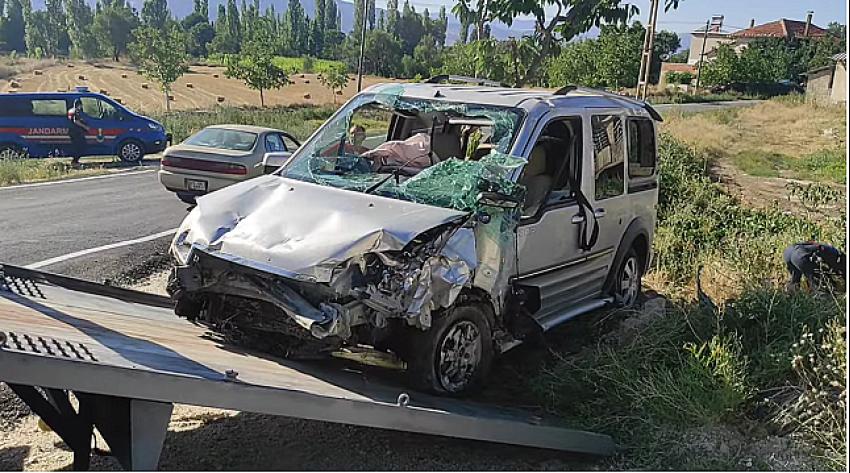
186,198
429,362
131,151
627,282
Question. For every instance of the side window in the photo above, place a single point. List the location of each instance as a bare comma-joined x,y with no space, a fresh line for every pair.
91,107
274,144
642,158
289,143
49,107
608,156
109,111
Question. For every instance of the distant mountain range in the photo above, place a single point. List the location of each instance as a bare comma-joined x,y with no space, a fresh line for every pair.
181,8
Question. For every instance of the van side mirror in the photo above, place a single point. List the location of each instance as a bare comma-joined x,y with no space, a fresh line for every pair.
498,200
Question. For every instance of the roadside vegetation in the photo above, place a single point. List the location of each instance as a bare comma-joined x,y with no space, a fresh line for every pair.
783,137
15,169
721,369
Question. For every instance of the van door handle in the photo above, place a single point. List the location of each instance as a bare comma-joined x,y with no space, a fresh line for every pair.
577,219
599,213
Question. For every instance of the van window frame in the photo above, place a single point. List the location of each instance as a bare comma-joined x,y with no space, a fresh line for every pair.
624,156
547,206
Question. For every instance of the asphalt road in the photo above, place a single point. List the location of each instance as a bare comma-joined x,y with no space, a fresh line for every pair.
41,222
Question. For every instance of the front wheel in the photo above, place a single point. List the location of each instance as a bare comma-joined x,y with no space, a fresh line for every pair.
628,280
454,355
131,151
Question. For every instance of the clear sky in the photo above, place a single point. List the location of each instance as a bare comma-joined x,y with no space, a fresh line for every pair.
693,13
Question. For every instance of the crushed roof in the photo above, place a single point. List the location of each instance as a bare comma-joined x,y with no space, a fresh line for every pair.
783,28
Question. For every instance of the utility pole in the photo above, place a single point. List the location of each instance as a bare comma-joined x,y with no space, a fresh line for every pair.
362,47
646,54
702,55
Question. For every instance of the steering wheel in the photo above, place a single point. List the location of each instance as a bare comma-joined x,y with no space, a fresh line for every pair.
351,163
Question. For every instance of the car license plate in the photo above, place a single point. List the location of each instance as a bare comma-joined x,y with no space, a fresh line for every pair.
196,185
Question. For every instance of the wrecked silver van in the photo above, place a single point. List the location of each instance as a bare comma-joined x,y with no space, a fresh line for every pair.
442,223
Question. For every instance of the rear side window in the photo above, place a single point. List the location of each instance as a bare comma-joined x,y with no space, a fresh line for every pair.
15,107
274,144
642,156
609,154
49,107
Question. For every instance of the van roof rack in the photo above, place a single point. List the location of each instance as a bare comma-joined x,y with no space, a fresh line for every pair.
652,112
463,79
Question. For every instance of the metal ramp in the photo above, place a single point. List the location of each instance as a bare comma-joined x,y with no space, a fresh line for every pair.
127,358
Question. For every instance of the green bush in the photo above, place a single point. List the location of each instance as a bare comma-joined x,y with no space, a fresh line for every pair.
697,365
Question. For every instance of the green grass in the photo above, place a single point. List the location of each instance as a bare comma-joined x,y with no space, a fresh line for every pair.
763,360
682,97
824,165
17,170
294,65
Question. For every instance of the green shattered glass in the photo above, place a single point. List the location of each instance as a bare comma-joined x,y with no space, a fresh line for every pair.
456,183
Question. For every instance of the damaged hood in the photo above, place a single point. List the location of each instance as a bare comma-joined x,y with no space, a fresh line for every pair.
299,229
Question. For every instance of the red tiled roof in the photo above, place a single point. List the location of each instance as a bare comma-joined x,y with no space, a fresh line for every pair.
677,67
780,29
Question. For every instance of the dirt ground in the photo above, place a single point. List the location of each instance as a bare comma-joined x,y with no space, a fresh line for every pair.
199,89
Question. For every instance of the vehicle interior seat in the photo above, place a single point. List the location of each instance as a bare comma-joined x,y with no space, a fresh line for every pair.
446,145
536,179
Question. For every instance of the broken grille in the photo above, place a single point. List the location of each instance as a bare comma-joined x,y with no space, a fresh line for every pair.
45,346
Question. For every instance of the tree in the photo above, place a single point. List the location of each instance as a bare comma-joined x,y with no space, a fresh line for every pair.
560,21
723,68
382,54
612,60
14,26
410,28
114,22
84,44
392,17
334,79
155,13
197,26
160,57
256,67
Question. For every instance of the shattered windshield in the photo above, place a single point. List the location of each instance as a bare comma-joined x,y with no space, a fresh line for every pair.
427,151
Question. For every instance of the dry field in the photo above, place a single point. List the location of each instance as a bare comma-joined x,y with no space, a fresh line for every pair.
199,89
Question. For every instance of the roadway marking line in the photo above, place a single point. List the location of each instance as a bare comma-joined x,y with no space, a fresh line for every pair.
72,180
110,246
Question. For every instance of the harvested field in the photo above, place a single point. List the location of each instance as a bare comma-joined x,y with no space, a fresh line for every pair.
122,81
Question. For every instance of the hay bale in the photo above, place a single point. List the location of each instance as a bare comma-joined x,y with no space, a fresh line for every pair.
81,77
306,81
145,85
190,85
119,100
70,65
306,96
171,98
215,76
219,99
124,75
38,72
104,91
301,76
14,85
339,92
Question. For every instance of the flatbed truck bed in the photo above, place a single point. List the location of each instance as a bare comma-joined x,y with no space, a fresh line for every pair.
127,359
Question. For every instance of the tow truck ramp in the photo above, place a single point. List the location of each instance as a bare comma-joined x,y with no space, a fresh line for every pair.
127,359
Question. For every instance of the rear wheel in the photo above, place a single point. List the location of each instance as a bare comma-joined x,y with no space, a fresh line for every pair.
131,151
455,354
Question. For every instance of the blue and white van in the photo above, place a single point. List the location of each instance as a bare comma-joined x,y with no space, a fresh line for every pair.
37,124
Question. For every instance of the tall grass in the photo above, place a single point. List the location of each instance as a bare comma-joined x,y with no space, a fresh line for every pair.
300,121
757,353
